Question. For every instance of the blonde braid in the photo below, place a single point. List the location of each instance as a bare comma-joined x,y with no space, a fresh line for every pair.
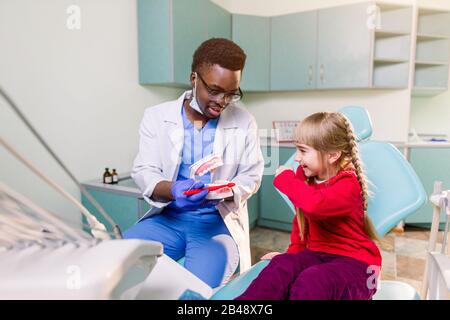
300,222
357,163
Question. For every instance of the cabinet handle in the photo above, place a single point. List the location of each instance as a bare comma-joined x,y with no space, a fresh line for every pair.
310,75
322,73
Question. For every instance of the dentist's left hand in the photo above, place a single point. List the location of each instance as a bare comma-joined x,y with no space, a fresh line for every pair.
184,202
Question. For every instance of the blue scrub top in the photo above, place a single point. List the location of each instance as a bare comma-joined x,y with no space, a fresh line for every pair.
198,143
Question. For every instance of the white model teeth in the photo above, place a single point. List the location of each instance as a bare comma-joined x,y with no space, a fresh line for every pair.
205,165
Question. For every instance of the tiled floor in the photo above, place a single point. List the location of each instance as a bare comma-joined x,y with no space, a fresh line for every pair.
403,253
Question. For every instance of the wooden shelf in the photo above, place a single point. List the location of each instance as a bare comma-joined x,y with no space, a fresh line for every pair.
394,19
384,87
433,23
432,52
430,10
391,47
380,33
431,76
389,60
431,63
424,36
390,73
390,6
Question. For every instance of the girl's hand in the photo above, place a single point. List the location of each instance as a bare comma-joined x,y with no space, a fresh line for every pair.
270,255
281,169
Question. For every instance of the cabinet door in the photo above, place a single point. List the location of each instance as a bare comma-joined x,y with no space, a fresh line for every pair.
253,35
253,210
189,31
430,165
154,37
344,47
274,212
293,51
123,209
219,21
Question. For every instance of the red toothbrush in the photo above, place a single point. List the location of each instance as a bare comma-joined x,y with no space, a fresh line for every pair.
211,188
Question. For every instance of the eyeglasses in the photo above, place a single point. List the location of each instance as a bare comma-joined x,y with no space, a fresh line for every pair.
228,97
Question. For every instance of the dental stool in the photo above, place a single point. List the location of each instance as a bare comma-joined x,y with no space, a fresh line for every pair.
396,192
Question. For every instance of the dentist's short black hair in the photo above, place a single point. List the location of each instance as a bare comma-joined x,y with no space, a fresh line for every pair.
223,52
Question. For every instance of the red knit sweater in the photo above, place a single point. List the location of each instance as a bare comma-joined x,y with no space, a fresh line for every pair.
334,215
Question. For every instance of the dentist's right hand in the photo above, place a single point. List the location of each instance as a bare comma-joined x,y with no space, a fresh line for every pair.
183,202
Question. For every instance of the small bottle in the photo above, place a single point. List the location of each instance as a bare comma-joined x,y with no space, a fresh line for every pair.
115,177
107,177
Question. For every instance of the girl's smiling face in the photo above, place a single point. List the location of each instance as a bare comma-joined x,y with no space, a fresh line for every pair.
310,160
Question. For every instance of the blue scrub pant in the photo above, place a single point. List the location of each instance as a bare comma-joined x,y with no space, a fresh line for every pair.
204,240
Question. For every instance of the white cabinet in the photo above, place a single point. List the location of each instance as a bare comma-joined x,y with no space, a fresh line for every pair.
188,32
169,31
344,57
432,52
293,51
252,33
364,45
218,20
392,46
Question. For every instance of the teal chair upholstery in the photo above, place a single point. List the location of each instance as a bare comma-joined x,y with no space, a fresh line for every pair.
396,192
360,120
181,261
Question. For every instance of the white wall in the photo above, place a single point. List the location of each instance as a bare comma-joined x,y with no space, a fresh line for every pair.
389,109
431,115
79,89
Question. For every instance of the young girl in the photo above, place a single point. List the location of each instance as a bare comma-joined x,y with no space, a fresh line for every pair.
331,255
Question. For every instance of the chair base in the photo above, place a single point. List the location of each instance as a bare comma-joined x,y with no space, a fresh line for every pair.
395,290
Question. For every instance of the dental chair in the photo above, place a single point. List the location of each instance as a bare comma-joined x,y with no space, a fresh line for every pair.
396,192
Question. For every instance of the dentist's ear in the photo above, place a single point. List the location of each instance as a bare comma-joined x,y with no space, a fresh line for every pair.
334,156
193,78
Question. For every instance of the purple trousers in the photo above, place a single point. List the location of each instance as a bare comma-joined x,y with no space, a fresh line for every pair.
311,275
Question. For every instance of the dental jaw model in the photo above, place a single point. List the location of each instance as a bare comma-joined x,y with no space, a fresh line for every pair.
221,193
206,165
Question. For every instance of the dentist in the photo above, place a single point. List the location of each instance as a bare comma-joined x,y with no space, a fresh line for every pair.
212,235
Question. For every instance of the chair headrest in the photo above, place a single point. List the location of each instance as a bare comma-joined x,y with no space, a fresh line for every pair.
360,119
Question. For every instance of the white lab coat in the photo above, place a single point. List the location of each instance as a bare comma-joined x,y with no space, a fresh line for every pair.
236,140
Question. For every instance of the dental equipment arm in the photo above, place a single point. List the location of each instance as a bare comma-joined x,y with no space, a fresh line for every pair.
91,219
93,222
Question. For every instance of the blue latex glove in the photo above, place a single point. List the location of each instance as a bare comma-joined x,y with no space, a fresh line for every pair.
184,202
